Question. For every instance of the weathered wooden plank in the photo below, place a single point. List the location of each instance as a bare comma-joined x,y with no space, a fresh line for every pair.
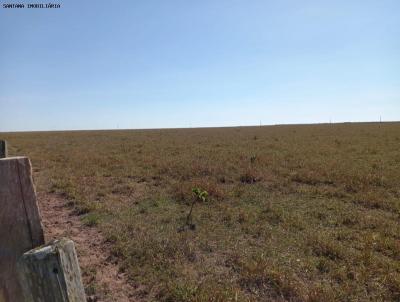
20,225
3,150
51,273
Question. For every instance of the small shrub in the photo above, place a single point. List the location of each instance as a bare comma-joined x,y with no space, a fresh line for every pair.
199,195
91,219
249,177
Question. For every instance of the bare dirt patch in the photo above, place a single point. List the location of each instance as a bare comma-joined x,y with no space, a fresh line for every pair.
102,279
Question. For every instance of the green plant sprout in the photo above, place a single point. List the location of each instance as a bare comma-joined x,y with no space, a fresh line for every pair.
200,195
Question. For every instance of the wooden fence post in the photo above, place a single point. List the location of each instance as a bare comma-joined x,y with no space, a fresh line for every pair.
20,224
3,149
51,273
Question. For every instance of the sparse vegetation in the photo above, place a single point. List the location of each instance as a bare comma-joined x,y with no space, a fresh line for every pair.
293,213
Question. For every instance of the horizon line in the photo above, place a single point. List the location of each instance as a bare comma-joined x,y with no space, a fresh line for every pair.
201,127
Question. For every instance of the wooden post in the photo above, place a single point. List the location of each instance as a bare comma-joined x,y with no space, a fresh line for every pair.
3,149
51,273
20,224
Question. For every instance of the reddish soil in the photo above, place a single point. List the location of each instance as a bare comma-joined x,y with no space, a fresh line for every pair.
102,279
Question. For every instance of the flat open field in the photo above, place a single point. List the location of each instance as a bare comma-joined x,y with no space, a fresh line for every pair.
293,213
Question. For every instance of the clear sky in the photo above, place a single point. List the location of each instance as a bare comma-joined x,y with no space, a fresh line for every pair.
154,64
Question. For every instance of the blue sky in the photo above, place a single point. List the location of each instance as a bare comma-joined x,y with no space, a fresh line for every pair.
156,64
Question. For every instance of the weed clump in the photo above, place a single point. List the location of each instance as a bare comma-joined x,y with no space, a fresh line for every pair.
249,177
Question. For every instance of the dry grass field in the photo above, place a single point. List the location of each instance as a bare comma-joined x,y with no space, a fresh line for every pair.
293,213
